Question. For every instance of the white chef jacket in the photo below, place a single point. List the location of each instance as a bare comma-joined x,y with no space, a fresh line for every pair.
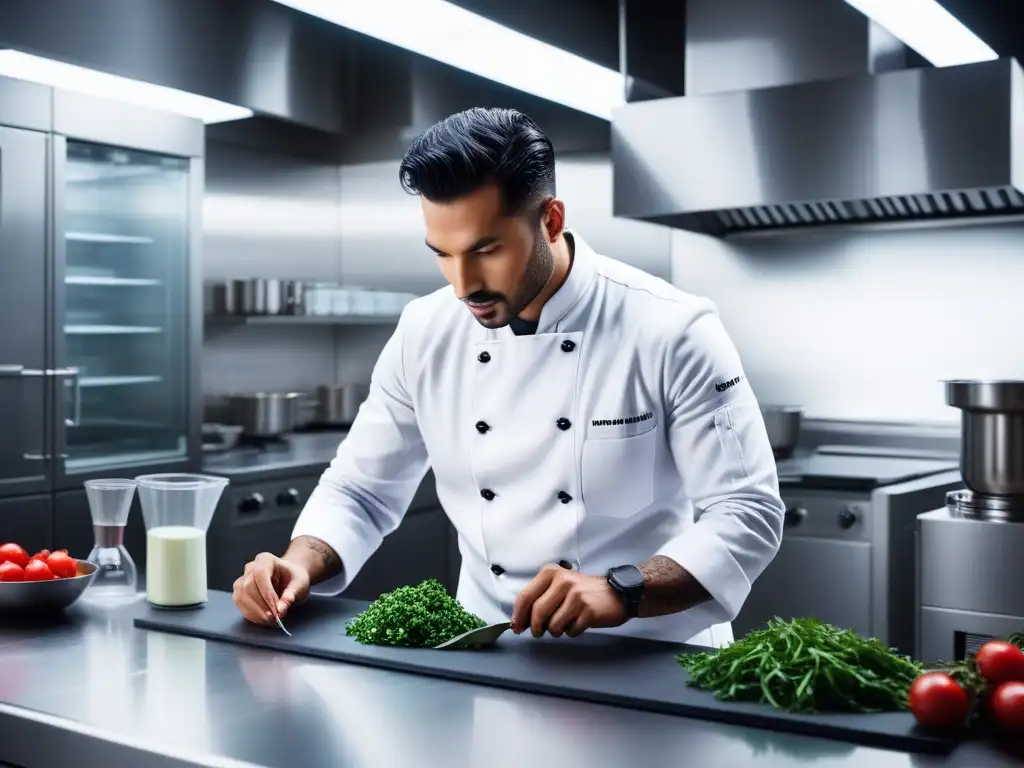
624,428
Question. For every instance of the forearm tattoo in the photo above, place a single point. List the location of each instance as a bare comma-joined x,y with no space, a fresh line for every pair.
328,562
669,588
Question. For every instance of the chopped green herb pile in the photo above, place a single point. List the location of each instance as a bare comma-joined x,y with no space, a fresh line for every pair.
1017,638
420,616
806,666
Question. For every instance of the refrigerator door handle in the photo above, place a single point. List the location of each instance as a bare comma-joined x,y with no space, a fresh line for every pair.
10,371
76,383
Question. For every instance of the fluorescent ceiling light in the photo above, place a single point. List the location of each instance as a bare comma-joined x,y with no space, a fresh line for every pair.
57,74
452,35
929,29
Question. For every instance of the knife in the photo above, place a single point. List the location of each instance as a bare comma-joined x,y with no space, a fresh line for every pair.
476,638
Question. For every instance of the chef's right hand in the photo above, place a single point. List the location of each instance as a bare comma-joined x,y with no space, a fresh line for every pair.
268,581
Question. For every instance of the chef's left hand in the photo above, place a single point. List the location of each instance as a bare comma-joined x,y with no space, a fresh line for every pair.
561,601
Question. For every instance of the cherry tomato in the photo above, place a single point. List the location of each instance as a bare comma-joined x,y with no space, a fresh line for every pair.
937,701
1000,662
1007,706
62,565
11,572
12,553
38,570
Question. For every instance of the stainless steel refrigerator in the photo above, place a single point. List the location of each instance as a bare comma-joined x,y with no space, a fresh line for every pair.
100,303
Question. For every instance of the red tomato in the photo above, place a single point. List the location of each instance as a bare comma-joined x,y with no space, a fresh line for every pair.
1007,706
12,553
62,565
1000,662
37,570
42,554
11,572
937,701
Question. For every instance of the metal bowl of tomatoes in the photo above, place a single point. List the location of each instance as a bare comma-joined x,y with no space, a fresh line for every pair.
45,581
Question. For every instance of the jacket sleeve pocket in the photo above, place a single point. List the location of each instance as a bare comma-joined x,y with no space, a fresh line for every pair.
729,442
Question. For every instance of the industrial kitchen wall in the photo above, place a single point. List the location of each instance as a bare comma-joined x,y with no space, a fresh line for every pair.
863,325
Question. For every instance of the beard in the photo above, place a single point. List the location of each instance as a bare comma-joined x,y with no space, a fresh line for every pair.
538,272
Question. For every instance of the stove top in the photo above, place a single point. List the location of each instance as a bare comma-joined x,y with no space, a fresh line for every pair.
857,469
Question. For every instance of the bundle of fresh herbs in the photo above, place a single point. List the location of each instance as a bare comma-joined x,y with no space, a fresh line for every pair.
805,666
420,616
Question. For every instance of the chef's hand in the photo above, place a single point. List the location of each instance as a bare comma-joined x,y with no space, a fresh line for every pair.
561,601
269,581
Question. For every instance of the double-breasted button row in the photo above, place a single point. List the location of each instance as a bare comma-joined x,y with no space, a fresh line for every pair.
568,346
484,357
497,570
483,427
564,497
487,494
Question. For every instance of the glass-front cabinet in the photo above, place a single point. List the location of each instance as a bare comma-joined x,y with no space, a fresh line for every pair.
124,220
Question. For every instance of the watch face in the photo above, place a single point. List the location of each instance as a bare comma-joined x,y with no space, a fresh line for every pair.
629,576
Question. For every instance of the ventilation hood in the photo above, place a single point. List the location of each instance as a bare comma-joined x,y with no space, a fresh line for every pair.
803,114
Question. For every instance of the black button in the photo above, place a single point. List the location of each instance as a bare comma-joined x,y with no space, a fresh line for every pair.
484,357
482,426
568,346
563,424
565,564
487,493
564,497
497,570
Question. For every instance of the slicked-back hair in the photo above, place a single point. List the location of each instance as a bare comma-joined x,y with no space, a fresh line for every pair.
480,146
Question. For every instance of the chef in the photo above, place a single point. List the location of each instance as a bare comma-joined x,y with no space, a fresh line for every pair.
594,439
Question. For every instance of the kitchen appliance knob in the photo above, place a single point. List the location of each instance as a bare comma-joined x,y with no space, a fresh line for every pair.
847,519
251,503
289,498
795,516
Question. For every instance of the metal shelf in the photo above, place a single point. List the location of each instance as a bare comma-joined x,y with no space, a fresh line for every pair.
104,237
101,280
302,319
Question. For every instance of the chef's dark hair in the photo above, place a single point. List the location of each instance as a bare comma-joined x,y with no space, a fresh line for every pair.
471,149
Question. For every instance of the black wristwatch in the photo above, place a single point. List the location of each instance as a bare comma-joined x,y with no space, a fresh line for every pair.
628,581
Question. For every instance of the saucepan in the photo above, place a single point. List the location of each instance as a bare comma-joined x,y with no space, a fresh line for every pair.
783,423
338,405
268,414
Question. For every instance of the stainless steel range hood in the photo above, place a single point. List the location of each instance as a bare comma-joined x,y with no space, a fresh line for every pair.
762,147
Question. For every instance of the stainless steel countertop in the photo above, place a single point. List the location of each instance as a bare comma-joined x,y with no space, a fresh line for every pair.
91,690
311,451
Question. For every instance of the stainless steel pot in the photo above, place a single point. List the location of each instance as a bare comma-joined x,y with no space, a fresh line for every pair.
338,405
992,435
260,296
783,423
268,414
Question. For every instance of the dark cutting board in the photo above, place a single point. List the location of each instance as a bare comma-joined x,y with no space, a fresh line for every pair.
627,672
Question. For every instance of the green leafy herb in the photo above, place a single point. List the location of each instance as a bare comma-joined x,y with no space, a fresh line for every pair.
1017,638
806,666
420,616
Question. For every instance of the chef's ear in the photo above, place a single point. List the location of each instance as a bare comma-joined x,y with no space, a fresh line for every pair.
553,220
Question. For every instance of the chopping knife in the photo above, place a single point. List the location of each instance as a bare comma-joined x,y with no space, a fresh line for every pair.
483,637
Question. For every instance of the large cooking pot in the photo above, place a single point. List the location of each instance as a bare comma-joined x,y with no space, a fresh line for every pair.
992,434
783,423
268,414
338,405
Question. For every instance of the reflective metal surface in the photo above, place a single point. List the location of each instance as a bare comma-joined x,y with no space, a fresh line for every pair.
93,686
992,436
806,129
